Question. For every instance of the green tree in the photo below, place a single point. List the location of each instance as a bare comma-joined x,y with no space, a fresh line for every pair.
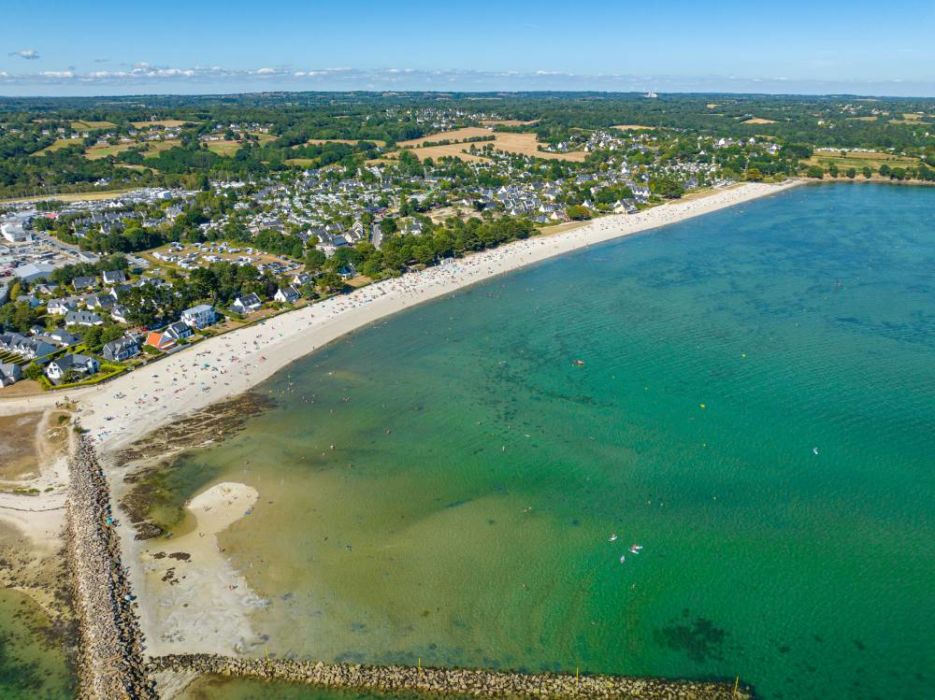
815,171
314,259
576,212
666,186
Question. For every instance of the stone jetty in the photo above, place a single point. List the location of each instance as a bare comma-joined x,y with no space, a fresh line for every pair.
111,657
449,682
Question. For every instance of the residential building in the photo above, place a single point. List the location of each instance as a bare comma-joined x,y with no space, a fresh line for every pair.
178,331
121,349
161,340
80,364
112,277
287,295
83,318
10,373
247,303
199,316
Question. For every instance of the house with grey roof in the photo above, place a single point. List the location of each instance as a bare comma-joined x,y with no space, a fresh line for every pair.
121,349
10,373
199,316
82,365
83,318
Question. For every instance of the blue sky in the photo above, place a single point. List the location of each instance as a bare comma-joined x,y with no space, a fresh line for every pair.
107,47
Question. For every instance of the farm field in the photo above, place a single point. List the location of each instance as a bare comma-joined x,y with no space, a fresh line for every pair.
632,127
522,144
168,123
223,148
860,159
57,146
759,120
151,148
71,196
468,132
87,125
508,122
315,142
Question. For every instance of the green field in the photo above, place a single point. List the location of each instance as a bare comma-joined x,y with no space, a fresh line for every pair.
860,159
223,148
57,146
87,125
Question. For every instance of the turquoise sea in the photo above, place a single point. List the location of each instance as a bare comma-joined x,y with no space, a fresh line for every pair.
754,405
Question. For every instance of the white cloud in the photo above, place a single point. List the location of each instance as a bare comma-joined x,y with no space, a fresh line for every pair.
28,54
144,76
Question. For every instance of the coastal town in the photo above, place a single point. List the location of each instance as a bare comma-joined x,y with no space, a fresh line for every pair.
92,287
80,282
166,264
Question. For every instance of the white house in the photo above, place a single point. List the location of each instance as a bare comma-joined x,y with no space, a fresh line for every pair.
121,349
247,303
112,277
10,373
178,331
83,318
60,307
199,316
287,295
82,364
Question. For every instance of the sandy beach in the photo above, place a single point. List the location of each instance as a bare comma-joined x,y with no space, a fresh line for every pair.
220,368
132,406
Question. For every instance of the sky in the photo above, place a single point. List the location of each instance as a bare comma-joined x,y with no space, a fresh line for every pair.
76,47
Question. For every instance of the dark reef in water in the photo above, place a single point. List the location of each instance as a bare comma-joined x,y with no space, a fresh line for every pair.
155,454
699,639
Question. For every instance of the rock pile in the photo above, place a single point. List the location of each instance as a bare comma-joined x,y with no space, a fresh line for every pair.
111,661
449,682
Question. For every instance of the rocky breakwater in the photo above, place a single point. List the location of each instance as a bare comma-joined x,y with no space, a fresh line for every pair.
449,682
111,663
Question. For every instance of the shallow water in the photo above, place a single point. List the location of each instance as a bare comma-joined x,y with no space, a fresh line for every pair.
756,408
33,663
